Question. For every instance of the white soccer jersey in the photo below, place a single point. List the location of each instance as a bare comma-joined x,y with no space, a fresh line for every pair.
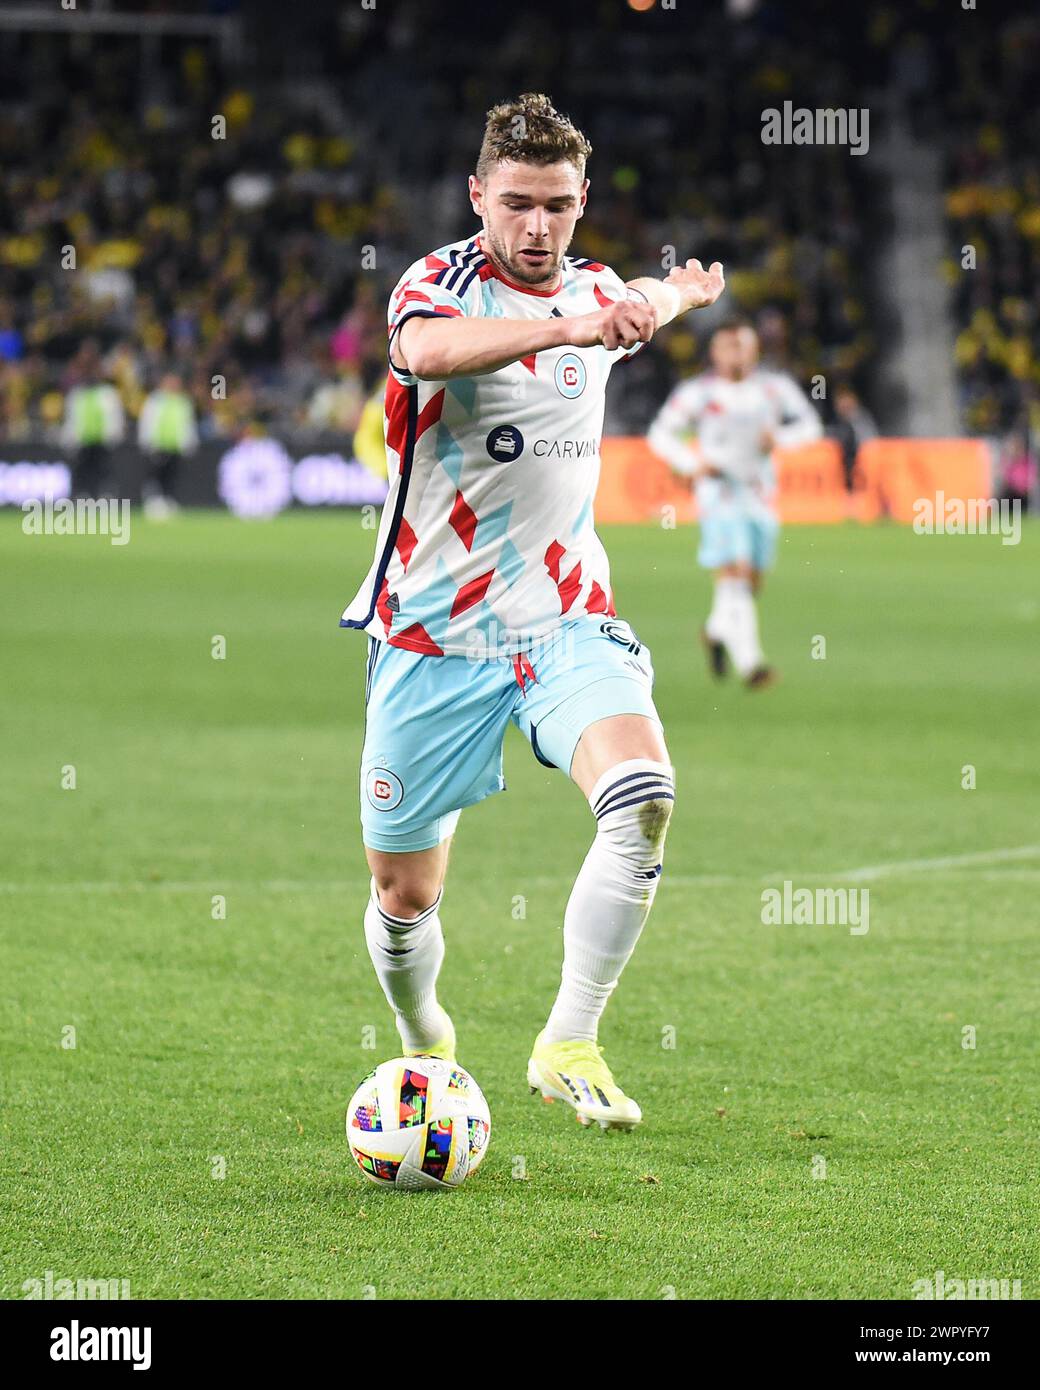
486,540
729,419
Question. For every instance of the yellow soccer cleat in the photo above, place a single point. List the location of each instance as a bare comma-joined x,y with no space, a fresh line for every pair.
443,1047
575,1072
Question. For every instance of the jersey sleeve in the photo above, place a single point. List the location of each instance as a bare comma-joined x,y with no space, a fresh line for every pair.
799,422
611,287
424,293
674,425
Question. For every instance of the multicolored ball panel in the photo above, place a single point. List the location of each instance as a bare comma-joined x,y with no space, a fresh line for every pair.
366,1117
412,1099
478,1135
384,1169
437,1151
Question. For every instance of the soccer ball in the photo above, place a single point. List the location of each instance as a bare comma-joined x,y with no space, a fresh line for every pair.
418,1122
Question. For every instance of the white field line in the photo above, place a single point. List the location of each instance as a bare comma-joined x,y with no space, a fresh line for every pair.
925,866
955,862
208,885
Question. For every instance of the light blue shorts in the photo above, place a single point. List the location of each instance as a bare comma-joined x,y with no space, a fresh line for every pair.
434,725
737,527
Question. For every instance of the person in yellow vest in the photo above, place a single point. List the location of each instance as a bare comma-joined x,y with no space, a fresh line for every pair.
167,433
369,447
94,424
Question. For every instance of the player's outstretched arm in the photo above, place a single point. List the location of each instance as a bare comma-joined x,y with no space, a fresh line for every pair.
670,429
666,438
800,423
437,349
685,287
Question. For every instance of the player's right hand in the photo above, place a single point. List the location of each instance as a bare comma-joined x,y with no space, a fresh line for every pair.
617,325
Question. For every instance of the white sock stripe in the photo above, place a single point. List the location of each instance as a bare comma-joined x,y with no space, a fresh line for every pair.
609,789
652,775
635,801
403,924
622,773
659,790
406,923
625,784
631,787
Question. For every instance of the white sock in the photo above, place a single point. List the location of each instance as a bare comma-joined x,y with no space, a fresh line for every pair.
613,892
407,955
719,619
742,633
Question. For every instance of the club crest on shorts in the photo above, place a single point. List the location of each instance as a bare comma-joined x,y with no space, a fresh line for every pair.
384,789
570,376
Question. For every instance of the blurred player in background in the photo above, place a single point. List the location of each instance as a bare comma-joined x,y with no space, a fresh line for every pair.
739,413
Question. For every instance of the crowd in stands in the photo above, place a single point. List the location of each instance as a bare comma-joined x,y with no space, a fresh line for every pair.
226,253
991,135
239,253
241,225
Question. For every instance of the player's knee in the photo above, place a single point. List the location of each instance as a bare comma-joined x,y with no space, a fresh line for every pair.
405,895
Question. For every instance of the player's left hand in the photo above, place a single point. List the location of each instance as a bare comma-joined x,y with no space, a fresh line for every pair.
697,287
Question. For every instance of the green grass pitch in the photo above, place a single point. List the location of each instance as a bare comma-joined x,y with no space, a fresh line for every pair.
815,1124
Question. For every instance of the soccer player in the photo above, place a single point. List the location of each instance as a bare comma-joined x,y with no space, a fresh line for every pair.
739,413
489,599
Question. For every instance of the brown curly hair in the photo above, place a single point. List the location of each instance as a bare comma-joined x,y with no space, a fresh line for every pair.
530,129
